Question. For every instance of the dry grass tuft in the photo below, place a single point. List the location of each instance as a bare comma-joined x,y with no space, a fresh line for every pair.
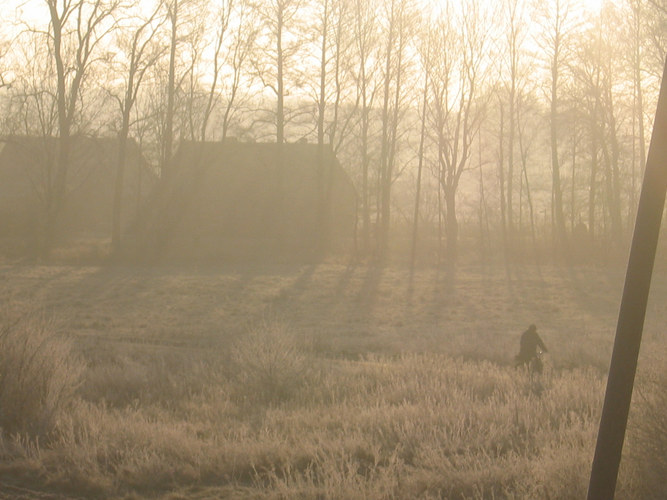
647,435
416,425
38,374
269,364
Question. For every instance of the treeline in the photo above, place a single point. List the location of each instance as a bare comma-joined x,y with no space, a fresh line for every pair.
518,126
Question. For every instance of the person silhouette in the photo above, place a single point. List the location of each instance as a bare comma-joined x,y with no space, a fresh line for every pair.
528,350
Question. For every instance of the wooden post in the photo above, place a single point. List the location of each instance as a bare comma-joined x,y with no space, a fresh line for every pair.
632,312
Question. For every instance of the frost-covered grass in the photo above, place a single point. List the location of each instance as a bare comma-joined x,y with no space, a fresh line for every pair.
329,382
417,425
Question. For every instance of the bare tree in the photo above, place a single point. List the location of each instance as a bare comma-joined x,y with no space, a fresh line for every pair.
194,100
586,89
275,62
608,34
135,40
173,14
594,74
32,111
400,18
234,38
5,80
456,79
32,106
501,173
514,10
185,27
74,36
641,29
334,20
366,39
426,58
655,24
557,21
4,66
526,134
279,43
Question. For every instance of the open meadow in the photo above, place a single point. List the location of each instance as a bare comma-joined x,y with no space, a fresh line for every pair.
316,381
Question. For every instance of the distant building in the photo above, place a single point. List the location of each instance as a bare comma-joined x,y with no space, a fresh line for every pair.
27,169
236,200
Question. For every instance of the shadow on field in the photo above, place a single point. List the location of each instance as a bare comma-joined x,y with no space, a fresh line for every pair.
301,284
344,279
368,294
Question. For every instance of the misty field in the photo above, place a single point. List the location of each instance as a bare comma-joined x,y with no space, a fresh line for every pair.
316,381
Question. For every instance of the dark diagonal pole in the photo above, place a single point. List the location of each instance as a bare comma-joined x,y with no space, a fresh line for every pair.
633,309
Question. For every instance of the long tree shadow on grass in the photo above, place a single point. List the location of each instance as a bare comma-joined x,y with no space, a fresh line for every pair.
367,297
300,285
344,279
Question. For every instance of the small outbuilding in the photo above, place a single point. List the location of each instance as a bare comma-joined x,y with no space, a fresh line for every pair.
231,200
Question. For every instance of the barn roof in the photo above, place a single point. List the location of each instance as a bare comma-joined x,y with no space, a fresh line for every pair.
298,157
224,196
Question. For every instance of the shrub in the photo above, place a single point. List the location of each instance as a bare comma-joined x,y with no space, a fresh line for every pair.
268,364
121,377
648,431
38,374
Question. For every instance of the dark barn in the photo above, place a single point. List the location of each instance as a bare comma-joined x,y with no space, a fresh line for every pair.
238,200
27,171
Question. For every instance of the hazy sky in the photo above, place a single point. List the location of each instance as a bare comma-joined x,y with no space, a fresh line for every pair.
36,9
35,12
31,10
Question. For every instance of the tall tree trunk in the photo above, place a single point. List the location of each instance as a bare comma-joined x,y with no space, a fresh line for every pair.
615,199
391,155
211,93
422,134
596,140
524,169
280,84
639,99
501,179
278,210
384,179
510,163
573,202
440,212
451,225
365,161
118,186
321,107
171,92
592,187
362,40
484,233
559,217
